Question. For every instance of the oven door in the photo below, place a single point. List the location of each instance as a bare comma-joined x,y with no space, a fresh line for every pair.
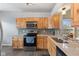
30,41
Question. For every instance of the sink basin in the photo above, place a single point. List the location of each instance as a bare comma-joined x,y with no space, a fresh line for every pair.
57,40
73,45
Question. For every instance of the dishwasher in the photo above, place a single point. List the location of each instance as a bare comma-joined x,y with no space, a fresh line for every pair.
59,52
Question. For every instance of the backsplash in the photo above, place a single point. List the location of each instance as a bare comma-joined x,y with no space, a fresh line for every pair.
46,31
39,31
25,31
77,33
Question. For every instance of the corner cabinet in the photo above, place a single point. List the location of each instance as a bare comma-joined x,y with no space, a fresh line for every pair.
75,14
43,23
55,21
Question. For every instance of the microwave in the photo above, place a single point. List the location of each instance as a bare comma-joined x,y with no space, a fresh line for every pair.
31,24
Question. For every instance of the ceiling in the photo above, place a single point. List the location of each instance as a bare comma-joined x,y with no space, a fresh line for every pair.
23,7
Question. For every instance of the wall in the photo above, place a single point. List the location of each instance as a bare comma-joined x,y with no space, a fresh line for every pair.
9,29
8,20
56,8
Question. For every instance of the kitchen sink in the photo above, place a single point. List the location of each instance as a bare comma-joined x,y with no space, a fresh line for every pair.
57,40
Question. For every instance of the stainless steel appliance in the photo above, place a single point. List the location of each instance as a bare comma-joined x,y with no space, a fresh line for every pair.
31,24
1,37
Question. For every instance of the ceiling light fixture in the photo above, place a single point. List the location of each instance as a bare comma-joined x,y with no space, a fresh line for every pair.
63,8
28,4
63,12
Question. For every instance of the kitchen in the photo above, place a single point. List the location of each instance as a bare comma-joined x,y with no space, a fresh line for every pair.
41,29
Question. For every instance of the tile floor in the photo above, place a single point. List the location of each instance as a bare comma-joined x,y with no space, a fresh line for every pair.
8,51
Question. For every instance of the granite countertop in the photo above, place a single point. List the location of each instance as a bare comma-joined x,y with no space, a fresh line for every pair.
70,49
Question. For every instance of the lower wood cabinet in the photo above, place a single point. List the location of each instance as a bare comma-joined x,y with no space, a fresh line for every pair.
14,43
41,42
45,42
20,43
17,42
51,47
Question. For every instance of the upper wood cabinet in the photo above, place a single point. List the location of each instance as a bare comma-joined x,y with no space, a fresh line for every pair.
75,14
45,23
55,21
20,23
42,23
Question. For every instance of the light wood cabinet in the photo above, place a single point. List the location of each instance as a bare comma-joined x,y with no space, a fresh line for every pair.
55,21
75,14
51,48
20,42
41,42
45,23
42,23
20,23
14,43
45,42
17,42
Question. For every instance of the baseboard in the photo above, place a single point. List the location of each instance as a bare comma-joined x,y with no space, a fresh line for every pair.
6,45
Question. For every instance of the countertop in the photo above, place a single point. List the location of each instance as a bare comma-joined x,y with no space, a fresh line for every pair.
70,49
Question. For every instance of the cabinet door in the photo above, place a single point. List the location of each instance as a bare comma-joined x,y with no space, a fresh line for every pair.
23,25
75,9
39,23
45,23
51,47
39,42
20,23
14,43
53,52
20,42
45,42
55,21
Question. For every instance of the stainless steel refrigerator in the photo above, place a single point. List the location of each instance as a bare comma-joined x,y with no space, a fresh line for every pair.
1,36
